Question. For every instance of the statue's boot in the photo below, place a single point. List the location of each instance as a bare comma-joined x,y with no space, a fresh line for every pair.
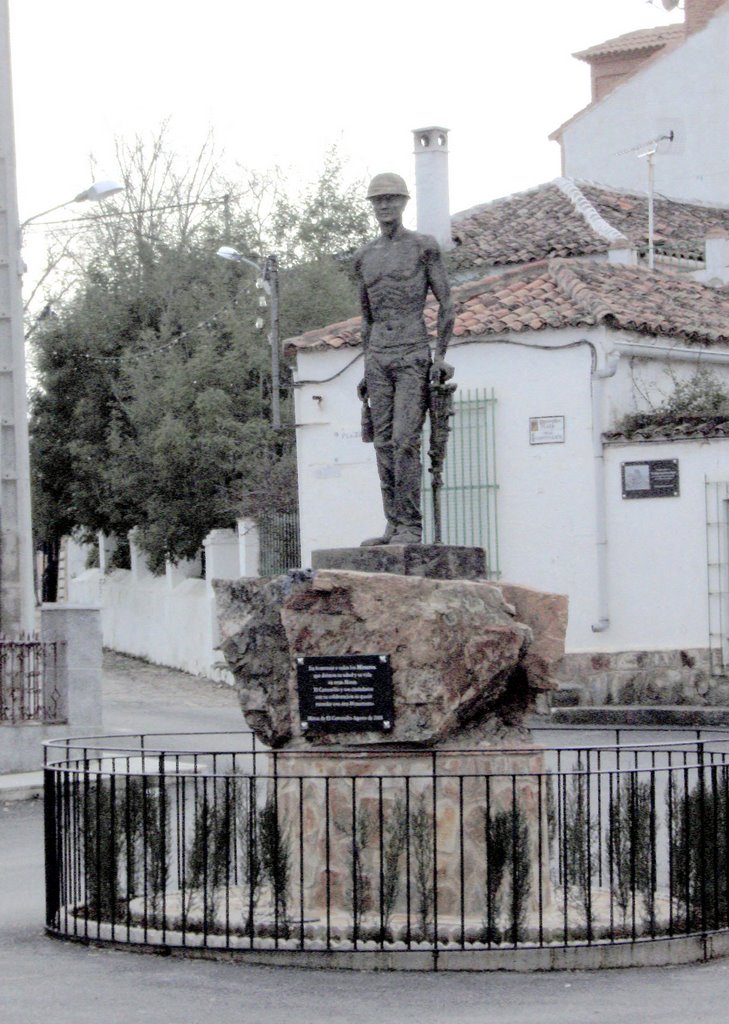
406,536
386,538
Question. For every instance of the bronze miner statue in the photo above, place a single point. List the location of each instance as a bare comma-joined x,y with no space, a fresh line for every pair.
395,273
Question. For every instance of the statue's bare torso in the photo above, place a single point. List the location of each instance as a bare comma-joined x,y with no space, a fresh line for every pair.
395,277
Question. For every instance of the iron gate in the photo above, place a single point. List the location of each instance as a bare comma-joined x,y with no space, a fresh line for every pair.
468,497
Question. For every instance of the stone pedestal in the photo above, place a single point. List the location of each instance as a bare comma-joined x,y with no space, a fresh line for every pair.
445,815
402,839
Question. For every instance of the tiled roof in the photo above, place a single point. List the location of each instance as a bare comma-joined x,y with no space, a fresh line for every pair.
564,293
573,218
666,428
643,39
527,226
674,223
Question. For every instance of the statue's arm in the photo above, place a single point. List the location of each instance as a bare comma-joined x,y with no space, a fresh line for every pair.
367,318
440,286
367,321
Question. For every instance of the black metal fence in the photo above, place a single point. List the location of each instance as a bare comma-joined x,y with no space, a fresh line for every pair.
453,856
29,681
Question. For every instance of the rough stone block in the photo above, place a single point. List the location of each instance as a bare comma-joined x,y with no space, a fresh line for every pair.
547,618
458,650
434,561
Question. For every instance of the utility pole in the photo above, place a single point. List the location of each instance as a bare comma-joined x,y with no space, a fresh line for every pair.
268,279
271,275
17,595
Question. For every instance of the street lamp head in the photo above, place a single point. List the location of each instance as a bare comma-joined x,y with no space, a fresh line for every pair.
99,190
227,252
96,192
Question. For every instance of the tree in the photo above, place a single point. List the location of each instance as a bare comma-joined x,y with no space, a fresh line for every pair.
153,400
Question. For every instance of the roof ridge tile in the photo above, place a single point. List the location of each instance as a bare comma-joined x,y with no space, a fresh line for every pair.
594,219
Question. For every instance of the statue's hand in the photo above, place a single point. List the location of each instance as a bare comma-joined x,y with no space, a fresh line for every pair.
362,390
440,372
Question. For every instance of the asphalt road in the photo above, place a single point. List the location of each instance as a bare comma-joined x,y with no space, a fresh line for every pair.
43,979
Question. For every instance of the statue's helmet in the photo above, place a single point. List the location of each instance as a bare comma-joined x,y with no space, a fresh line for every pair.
387,184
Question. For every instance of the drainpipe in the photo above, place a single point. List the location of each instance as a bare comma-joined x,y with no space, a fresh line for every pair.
597,379
671,352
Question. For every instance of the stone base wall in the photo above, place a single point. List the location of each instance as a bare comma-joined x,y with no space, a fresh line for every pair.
347,808
643,677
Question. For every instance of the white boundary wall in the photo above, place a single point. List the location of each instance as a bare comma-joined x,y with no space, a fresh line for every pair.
658,584
169,620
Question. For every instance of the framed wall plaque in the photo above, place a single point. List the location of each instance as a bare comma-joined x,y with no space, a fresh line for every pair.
656,478
546,430
345,693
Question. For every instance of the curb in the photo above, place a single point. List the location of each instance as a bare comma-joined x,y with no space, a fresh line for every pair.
685,715
21,786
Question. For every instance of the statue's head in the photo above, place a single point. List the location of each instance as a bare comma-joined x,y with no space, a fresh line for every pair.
389,195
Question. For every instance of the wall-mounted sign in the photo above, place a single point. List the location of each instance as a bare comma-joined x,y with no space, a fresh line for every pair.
546,430
345,693
657,478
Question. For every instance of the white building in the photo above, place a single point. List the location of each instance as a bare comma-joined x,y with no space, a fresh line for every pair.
549,354
666,84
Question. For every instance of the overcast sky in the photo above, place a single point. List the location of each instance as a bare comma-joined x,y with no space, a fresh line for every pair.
279,82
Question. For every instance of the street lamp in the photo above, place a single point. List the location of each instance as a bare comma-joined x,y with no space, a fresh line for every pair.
268,277
17,591
95,193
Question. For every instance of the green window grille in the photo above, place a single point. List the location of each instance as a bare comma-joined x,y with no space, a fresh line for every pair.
280,549
469,493
717,564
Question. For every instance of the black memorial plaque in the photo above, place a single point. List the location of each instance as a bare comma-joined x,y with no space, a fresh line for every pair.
345,693
656,478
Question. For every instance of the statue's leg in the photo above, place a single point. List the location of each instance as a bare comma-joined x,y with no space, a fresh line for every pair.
381,393
410,405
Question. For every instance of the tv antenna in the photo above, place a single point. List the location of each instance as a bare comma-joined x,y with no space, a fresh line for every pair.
649,153
648,150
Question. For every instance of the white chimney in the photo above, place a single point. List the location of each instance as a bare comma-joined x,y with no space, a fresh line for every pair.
431,184
716,248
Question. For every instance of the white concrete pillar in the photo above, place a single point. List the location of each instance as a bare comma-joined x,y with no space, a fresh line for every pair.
249,548
77,631
185,569
431,184
716,249
76,556
222,555
107,547
138,559
623,253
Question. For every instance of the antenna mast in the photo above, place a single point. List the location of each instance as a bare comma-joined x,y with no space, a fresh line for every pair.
649,153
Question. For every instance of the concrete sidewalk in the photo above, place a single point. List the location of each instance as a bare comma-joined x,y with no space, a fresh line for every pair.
21,786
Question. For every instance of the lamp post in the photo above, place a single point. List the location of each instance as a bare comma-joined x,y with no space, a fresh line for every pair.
268,277
95,193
